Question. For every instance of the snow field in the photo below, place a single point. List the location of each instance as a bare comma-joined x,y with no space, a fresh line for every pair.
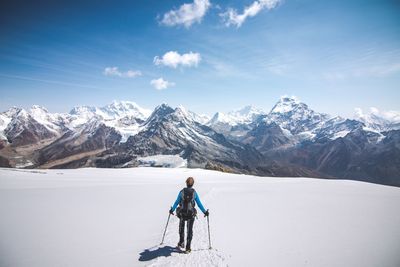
116,217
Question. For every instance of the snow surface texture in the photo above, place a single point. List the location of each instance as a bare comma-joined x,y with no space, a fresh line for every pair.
116,217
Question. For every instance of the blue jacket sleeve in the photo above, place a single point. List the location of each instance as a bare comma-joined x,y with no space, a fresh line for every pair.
198,202
178,199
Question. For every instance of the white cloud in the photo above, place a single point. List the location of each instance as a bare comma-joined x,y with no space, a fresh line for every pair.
161,84
173,59
390,116
132,73
114,71
231,16
187,14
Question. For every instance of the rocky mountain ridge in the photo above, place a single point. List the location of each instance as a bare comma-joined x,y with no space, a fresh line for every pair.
290,140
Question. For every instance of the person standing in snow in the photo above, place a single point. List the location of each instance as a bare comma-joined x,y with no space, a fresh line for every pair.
186,212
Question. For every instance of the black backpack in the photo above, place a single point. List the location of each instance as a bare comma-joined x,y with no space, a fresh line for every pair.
186,209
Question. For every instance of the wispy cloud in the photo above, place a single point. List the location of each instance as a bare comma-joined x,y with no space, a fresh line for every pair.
378,71
161,84
232,17
173,59
187,14
277,68
391,115
33,79
114,71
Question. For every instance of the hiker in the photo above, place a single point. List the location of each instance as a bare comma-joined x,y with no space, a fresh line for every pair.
186,211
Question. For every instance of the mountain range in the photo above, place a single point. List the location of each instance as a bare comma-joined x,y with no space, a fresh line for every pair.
289,140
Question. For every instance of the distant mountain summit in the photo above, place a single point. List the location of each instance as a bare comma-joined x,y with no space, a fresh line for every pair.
235,122
295,116
290,140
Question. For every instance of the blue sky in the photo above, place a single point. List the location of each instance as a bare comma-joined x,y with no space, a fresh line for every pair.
333,55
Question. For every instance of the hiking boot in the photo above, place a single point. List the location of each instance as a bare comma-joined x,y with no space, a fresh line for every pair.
181,245
188,250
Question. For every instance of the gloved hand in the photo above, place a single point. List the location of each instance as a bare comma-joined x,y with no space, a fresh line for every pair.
206,213
171,211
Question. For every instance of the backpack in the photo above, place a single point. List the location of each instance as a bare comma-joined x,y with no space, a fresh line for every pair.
186,209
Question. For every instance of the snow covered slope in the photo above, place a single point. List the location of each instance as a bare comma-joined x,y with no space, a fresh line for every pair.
116,217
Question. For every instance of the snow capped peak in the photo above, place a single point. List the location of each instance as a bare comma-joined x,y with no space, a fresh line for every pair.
182,113
220,117
159,112
124,116
82,110
247,109
164,107
42,116
292,99
244,115
81,115
200,118
22,113
6,117
287,104
39,112
118,109
38,108
181,109
110,114
11,112
295,116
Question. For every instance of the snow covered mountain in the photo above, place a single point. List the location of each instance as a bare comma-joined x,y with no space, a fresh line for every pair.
21,128
296,120
5,119
113,111
200,118
174,131
291,114
334,128
54,122
290,140
235,123
124,116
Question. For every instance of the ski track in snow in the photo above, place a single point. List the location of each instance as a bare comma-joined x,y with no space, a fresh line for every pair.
200,255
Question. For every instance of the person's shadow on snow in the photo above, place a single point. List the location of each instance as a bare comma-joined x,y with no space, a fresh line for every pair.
152,253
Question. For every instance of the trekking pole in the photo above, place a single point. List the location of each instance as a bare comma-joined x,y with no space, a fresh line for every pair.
209,238
165,230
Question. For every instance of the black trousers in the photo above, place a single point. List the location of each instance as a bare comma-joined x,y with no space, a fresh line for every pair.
190,223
